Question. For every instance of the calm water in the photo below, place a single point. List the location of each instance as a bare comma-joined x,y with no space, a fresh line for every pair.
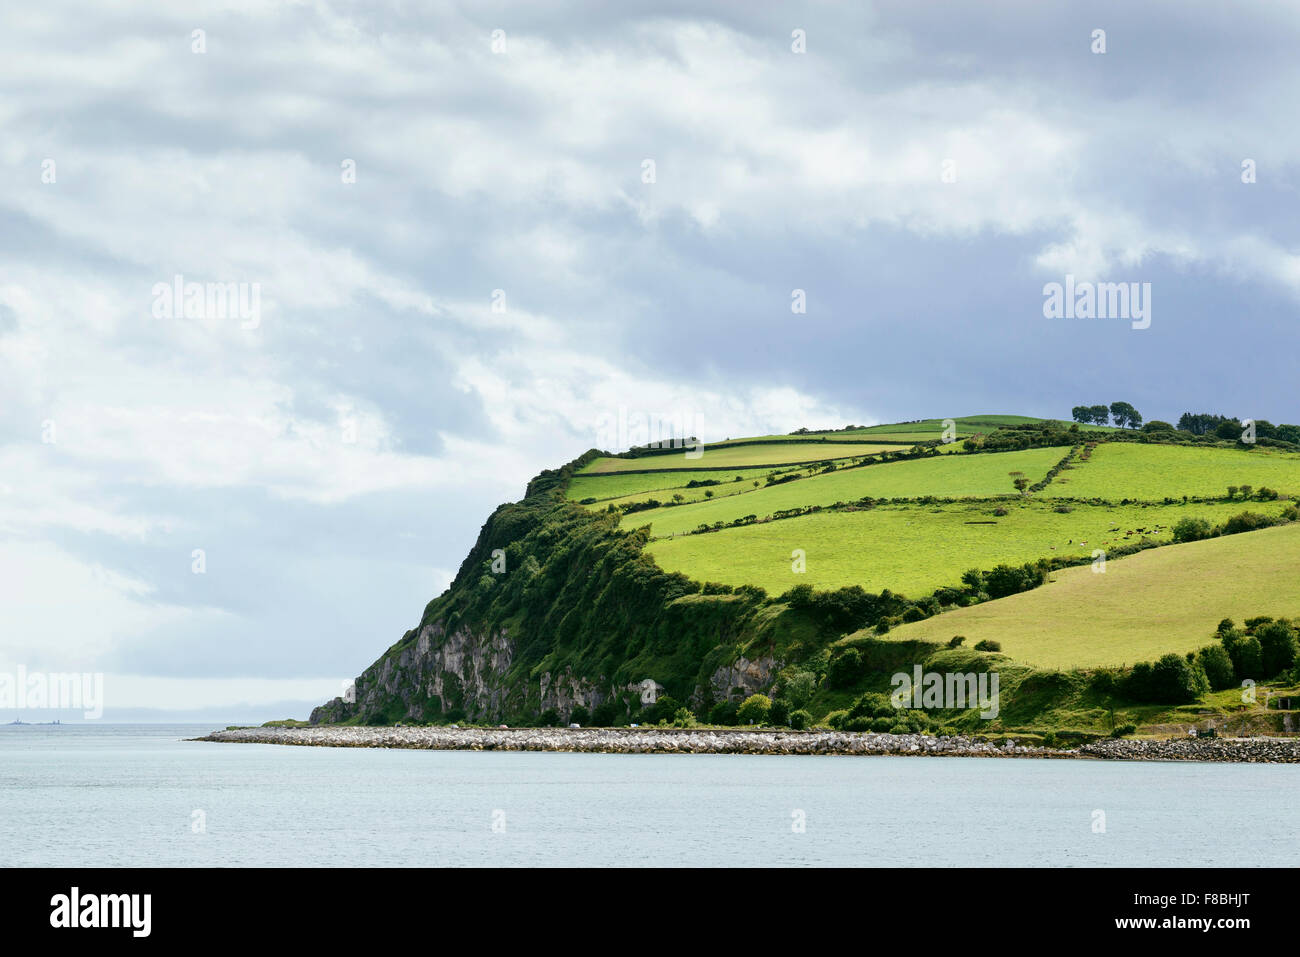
126,795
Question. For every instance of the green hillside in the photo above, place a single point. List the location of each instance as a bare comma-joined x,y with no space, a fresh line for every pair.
1166,599
813,567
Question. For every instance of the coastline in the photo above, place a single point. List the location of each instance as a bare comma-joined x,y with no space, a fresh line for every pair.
744,741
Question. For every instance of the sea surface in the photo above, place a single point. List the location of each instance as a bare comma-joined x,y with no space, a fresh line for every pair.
138,795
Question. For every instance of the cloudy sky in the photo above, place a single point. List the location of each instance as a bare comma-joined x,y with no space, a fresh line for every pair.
477,230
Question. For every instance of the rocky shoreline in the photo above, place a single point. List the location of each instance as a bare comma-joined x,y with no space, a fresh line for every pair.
745,741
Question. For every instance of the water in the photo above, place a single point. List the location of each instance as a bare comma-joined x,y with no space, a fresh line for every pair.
105,795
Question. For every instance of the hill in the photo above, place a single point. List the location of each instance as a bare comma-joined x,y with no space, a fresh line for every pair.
646,586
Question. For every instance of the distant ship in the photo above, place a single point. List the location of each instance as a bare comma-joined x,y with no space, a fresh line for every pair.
21,721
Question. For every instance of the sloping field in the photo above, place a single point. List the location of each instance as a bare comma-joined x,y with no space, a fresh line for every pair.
1158,601
915,549
1151,472
617,486
742,456
949,476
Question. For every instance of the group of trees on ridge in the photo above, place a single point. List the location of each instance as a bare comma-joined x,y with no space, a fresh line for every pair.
1125,416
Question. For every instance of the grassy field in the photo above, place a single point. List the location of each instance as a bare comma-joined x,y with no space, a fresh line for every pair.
619,486
915,549
950,476
1152,472
1163,600
743,456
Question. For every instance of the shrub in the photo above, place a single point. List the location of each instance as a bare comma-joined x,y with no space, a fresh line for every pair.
799,688
606,714
988,645
580,715
754,709
724,712
1191,529
836,719
956,640
845,670
1245,521
800,719
548,718
779,713
682,718
1217,665
1122,730
1278,647
915,613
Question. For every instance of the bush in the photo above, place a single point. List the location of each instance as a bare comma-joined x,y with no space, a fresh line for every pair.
580,715
1191,529
956,640
754,709
1122,730
724,712
845,670
779,714
988,645
548,718
799,688
1245,522
1217,665
800,720
1171,680
606,714
1278,647
682,718
836,719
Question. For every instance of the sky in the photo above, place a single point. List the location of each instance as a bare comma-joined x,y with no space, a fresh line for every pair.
462,238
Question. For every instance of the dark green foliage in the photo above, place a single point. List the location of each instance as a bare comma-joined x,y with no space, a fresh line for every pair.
1278,647
988,645
724,712
1191,529
845,670
580,715
800,719
779,714
1217,665
1171,680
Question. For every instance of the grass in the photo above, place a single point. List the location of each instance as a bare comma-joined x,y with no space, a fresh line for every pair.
949,476
1158,601
742,456
1151,472
915,549
618,486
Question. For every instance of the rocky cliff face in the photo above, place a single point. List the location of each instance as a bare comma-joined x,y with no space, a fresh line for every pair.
442,673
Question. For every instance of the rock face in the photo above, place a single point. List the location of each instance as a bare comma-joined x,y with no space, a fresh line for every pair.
742,678
460,669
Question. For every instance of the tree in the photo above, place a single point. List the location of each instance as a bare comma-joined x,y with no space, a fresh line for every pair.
1125,416
779,714
1278,647
1216,664
1019,481
1081,413
1191,529
1101,414
800,687
754,709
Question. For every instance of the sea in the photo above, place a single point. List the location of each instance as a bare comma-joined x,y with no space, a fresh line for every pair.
95,795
